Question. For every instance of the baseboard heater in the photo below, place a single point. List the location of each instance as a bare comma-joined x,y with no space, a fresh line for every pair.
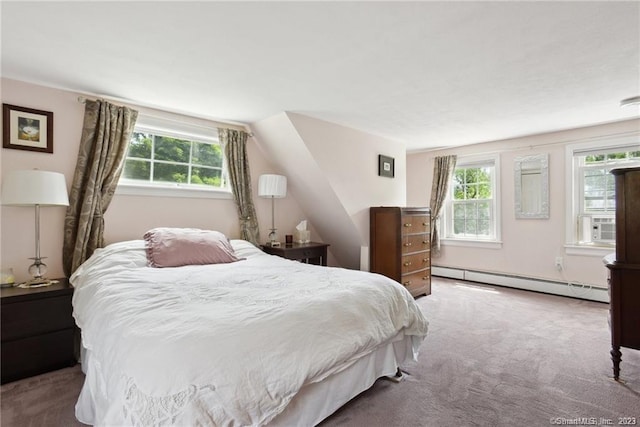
575,290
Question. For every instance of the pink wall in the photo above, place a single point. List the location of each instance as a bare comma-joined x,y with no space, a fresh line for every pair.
529,246
128,216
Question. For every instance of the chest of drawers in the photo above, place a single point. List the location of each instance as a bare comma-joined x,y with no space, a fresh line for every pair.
400,246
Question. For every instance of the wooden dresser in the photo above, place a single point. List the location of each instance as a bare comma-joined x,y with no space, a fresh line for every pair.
624,267
400,246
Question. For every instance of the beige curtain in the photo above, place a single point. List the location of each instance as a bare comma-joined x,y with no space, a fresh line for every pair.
442,173
234,144
106,132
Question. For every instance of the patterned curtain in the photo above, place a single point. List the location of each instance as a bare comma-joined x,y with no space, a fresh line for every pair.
106,132
234,144
442,172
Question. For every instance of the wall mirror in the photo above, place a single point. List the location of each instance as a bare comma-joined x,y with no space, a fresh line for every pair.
532,186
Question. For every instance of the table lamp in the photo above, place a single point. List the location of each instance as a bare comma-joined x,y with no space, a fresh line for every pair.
274,187
35,188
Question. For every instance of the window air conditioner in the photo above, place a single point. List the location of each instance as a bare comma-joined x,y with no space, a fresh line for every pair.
603,229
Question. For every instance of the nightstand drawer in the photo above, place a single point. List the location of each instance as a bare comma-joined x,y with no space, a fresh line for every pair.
37,354
27,318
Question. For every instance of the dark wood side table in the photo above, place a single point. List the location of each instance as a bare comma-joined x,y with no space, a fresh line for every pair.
38,330
310,253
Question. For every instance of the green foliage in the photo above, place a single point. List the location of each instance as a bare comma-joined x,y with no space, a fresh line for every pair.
171,158
472,183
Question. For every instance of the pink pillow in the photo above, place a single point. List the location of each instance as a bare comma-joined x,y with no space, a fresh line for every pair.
173,247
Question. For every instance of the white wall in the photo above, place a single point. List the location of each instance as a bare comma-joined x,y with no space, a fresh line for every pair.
128,217
529,246
333,172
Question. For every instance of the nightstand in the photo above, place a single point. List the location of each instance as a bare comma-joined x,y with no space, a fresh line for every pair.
38,330
310,253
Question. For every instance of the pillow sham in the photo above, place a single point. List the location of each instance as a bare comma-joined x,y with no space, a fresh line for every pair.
175,247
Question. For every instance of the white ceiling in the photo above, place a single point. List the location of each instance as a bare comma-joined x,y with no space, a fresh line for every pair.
429,74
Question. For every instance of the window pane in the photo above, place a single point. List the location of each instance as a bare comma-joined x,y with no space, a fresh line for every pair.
137,169
458,210
484,210
140,146
484,228
458,192
470,228
470,211
165,172
206,176
172,149
458,226
484,191
206,155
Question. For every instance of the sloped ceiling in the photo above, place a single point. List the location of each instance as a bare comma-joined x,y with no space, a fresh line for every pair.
427,74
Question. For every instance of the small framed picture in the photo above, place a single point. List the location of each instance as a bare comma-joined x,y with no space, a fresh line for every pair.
386,166
27,129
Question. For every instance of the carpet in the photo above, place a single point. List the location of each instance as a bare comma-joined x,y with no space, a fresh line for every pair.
493,357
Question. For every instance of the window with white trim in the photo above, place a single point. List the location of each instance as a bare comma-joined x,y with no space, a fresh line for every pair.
174,160
470,211
593,210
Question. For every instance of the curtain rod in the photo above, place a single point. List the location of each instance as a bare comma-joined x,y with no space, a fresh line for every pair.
83,100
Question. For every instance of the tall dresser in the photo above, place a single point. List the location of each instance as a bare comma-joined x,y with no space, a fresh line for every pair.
400,246
624,267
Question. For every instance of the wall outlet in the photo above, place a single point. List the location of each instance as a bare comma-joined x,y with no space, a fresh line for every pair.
559,265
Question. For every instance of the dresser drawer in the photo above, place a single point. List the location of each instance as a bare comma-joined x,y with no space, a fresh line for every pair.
418,282
27,318
415,243
415,262
412,224
38,354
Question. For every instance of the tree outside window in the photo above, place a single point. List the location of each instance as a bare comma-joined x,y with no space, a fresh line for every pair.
164,160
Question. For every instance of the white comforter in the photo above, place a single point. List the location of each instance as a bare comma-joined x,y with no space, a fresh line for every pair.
226,344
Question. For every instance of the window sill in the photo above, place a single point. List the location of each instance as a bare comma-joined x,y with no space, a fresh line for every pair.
487,244
588,250
171,191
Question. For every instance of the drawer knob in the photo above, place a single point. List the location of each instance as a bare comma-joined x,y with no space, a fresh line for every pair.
407,224
408,244
425,259
408,263
407,283
425,242
425,277
425,224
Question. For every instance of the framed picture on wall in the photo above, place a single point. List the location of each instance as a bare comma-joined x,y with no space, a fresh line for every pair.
386,166
27,129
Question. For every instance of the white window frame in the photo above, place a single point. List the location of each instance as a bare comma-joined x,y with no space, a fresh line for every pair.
446,222
181,130
575,190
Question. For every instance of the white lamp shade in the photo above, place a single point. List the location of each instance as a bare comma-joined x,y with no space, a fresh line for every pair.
34,187
272,186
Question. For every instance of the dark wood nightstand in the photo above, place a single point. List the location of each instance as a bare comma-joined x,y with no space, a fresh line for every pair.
310,253
38,330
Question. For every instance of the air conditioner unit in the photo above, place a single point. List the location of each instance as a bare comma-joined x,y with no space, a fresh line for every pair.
603,229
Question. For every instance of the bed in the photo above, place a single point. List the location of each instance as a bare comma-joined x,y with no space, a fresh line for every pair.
259,341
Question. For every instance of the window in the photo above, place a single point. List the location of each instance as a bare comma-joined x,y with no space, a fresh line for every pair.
173,162
591,213
470,208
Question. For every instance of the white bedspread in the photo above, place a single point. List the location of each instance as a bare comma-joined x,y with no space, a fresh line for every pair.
226,344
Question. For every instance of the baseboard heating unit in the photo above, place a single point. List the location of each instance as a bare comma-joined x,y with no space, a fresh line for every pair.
575,290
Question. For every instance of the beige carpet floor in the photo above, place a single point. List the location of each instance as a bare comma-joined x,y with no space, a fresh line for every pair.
493,357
